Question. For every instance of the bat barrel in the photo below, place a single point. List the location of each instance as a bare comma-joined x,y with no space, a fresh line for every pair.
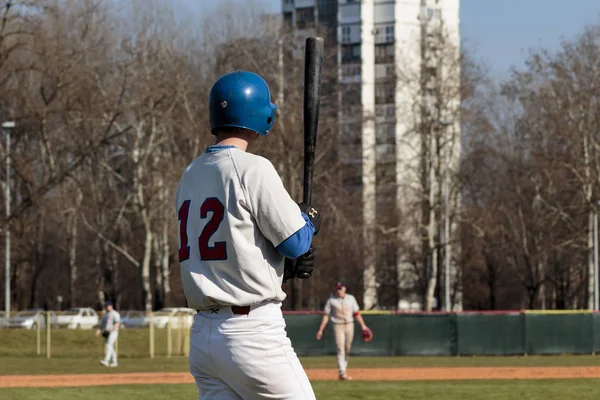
313,65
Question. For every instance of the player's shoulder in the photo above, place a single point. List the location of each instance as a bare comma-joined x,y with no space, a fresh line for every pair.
252,160
253,166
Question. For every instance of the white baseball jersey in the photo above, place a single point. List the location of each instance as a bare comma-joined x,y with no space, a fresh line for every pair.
341,309
109,320
233,211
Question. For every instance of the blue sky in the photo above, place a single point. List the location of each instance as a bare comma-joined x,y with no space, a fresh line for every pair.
501,32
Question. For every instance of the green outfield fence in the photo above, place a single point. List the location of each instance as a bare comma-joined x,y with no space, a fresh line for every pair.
395,334
457,334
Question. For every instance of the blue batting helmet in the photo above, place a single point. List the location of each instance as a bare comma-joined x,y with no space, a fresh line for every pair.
241,99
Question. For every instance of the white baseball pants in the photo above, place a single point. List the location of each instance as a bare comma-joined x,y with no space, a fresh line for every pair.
247,357
110,355
344,334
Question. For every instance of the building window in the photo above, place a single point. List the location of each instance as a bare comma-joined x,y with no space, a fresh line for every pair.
352,181
305,17
328,13
352,70
386,153
385,94
287,19
351,133
389,33
385,113
390,71
351,53
385,133
352,174
346,30
385,72
431,72
351,95
384,53
351,154
351,73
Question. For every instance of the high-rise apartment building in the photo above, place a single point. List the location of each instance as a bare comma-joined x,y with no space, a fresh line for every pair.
398,63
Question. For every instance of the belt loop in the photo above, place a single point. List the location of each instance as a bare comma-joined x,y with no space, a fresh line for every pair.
240,310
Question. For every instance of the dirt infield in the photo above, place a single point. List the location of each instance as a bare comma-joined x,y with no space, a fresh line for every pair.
363,374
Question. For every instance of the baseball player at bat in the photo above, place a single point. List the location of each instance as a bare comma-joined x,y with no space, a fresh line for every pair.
239,233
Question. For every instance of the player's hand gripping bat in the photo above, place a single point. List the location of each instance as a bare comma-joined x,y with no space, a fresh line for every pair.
313,68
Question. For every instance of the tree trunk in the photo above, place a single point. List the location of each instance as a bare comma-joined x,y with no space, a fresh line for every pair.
145,270
590,269
100,271
33,286
165,265
158,285
72,233
162,254
432,232
113,277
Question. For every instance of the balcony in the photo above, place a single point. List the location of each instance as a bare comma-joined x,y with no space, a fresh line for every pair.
351,54
385,93
350,73
383,34
385,133
305,17
385,113
287,6
385,197
351,154
351,133
385,72
350,12
305,3
384,53
351,115
385,153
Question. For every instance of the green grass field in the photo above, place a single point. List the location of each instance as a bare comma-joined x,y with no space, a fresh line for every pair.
78,365
84,343
75,352
584,389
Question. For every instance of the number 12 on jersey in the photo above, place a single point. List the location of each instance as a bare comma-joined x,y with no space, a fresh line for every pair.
207,252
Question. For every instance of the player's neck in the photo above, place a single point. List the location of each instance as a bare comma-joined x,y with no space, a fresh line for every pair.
239,143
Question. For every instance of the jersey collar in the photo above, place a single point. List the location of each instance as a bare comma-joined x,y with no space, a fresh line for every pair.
218,147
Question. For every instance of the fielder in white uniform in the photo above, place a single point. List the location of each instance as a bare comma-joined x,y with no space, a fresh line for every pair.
239,232
342,308
109,329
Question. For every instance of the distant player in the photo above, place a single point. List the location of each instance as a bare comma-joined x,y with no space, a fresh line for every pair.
239,231
109,329
342,308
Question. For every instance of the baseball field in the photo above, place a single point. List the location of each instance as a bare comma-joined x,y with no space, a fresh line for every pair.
71,370
536,377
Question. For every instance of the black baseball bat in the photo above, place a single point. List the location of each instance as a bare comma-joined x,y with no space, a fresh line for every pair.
313,68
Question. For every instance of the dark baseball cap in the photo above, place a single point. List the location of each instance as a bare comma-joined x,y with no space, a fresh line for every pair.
108,303
339,285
